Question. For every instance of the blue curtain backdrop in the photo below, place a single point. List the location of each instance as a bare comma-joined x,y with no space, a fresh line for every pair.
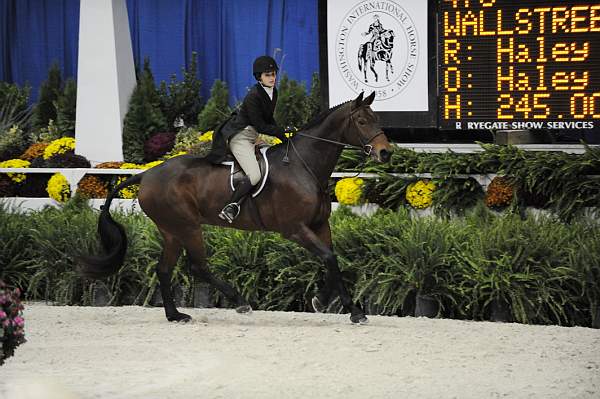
226,34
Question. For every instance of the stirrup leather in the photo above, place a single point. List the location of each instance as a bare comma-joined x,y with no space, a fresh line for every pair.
230,212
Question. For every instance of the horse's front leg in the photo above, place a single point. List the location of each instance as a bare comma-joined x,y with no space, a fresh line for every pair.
318,242
372,67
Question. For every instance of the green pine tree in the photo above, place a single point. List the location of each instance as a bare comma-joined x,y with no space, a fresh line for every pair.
144,116
182,99
49,92
313,100
291,107
217,108
65,109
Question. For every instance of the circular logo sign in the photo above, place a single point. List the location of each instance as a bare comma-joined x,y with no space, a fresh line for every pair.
377,48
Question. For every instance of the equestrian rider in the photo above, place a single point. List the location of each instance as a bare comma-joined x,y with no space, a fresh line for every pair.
240,131
375,29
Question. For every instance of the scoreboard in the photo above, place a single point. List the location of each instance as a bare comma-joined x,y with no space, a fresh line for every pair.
527,64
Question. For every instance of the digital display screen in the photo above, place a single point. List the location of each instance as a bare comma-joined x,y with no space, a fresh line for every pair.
509,65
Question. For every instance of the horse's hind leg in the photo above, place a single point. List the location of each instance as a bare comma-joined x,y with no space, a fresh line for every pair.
194,245
171,251
316,242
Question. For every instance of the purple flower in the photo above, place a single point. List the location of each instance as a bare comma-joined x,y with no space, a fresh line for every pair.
19,321
2,314
6,323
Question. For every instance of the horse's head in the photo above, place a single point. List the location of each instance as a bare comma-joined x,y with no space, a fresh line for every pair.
387,38
364,130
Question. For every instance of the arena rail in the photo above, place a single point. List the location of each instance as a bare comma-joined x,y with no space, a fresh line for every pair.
74,175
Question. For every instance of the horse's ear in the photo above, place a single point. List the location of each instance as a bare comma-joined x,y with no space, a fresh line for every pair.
369,100
358,101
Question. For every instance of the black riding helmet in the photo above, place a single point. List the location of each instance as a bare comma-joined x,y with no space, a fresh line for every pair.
262,64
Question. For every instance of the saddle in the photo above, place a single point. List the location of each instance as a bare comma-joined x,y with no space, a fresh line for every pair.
237,173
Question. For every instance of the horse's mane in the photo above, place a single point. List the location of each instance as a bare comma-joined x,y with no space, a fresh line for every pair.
317,120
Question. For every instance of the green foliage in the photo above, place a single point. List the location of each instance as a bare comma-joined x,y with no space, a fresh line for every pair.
50,91
144,116
547,271
46,134
185,139
66,109
292,107
566,184
12,143
217,108
14,108
182,99
313,100
455,196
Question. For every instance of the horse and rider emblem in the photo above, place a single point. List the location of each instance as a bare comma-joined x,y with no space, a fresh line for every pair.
378,48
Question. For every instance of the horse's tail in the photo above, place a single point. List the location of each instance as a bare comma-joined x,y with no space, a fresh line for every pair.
361,51
113,238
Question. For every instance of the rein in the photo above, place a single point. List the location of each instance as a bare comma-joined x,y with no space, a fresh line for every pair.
366,149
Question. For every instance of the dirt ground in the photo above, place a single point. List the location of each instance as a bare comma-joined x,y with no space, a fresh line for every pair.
133,352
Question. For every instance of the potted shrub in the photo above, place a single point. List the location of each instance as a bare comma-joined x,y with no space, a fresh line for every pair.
417,262
519,264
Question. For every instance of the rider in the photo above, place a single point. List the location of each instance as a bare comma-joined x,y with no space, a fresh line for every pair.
240,131
375,29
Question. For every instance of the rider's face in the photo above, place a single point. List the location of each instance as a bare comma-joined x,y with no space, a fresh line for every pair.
268,78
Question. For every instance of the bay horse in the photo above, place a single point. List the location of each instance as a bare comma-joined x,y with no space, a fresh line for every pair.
379,50
186,192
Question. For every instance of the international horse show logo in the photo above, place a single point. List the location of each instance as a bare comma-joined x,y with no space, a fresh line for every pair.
377,48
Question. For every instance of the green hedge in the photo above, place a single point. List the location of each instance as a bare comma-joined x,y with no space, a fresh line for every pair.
548,271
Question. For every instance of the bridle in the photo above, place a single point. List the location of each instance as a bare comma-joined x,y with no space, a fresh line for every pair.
366,148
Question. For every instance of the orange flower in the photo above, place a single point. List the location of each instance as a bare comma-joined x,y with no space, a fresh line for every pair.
92,187
35,150
499,193
109,165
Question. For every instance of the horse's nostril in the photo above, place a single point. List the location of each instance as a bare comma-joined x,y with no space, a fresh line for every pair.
385,155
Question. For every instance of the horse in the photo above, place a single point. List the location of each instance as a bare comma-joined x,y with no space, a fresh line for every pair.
186,192
378,50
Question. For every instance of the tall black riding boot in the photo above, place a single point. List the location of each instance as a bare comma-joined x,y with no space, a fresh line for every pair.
232,209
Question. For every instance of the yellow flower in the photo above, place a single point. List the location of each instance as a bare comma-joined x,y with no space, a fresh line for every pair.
348,191
129,192
129,165
169,156
59,146
151,164
58,188
16,163
208,136
420,194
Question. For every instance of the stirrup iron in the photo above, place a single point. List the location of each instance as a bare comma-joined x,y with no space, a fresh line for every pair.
230,212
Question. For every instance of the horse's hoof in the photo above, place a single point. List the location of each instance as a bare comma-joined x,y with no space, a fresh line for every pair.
317,305
244,309
180,318
359,319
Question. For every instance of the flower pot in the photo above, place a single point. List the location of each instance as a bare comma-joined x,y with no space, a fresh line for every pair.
426,306
500,311
596,318
202,295
100,295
